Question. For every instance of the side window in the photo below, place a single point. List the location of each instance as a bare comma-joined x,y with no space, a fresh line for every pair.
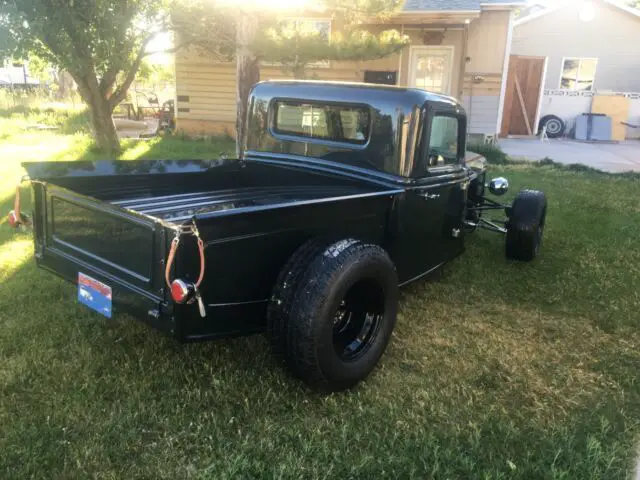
443,142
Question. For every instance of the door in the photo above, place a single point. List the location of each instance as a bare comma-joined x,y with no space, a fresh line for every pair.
431,68
431,214
523,95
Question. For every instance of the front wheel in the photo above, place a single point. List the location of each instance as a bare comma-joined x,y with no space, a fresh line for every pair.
525,226
333,311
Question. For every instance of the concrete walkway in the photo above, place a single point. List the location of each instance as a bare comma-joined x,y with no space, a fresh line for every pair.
609,157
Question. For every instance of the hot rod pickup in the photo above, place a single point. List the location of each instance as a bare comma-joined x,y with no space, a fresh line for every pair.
343,194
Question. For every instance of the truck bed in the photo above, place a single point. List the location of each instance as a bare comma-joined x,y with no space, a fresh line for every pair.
175,193
180,207
114,222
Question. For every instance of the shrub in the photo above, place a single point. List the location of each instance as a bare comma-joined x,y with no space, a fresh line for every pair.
493,153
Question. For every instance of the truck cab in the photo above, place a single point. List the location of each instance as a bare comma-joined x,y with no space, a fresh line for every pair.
401,137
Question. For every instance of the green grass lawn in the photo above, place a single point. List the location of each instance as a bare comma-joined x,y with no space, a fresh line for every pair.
496,370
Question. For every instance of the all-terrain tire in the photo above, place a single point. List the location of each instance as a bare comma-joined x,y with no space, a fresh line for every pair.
326,294
283,294
525,226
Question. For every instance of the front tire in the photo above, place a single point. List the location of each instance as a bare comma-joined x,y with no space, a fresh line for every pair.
333,311
525,226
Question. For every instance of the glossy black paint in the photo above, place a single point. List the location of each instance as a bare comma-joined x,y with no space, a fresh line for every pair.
115,220
399,121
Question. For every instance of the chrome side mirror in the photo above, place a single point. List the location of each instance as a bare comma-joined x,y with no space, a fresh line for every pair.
499,186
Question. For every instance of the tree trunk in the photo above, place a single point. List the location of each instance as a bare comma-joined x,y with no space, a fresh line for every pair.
299,71
65,84
247,73
100,111
104,129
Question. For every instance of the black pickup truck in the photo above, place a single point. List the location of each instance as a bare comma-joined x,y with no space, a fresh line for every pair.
344,193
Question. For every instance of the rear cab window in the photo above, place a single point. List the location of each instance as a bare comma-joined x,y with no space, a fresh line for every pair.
341,123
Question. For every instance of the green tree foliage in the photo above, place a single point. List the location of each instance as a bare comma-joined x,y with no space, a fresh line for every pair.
102,43
152,74
96,41
40,68
295,46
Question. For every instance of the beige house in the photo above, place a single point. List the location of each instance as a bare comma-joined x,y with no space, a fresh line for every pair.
460,48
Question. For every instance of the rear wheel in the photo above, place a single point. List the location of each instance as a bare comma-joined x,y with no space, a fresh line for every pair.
332,324
525,226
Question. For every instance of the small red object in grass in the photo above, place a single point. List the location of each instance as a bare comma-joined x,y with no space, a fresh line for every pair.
14,221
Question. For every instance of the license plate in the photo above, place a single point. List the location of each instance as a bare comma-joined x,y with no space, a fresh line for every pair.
94,294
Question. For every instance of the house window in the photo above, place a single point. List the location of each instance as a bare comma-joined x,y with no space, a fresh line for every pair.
578,74
338,123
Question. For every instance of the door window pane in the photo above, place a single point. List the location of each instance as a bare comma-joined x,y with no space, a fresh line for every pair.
443,142
578,74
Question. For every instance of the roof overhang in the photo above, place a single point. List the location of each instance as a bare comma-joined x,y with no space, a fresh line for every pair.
502,6
430,18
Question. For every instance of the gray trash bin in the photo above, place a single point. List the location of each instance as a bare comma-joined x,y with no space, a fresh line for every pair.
594,127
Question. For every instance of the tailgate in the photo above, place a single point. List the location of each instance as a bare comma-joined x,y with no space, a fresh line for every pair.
76,233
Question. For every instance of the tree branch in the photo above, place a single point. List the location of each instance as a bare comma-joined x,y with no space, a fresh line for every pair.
107,81
121,92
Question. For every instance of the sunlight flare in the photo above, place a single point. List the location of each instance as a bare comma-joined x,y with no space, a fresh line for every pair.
136,151
273,4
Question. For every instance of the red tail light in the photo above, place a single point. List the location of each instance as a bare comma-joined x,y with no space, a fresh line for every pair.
181,291
13,219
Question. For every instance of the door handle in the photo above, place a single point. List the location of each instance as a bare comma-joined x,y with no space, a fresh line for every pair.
431,196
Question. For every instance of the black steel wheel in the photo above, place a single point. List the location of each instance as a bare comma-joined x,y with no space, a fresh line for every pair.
525,227
333,311
555,126
357,320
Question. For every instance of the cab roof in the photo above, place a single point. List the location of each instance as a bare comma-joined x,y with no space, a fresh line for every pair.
350,92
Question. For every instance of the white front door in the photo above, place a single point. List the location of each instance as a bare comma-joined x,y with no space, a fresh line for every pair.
431,68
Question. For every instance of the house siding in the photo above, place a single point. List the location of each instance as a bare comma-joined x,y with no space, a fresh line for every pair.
488,36
482,112
488,41
613,37
206,87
